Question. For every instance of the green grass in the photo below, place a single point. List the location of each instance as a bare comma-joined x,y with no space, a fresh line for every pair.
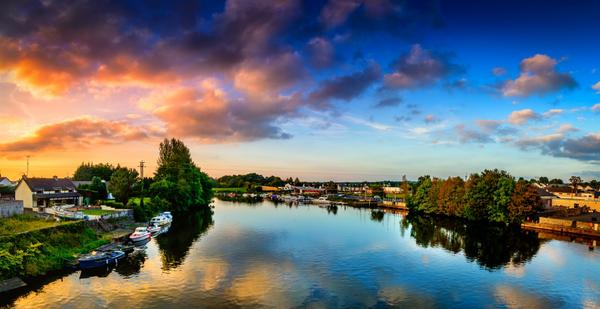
24,223
96,212
136,200
229,190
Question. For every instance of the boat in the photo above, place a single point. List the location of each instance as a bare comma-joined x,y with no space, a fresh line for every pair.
154,229
140,233
322,200
160,220
100,259
168,215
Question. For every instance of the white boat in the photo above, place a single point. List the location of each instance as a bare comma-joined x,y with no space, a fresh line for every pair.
154,229
140,233
160,220
321,200
167,214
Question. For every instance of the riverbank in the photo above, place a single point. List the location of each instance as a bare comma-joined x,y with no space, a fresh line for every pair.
54,246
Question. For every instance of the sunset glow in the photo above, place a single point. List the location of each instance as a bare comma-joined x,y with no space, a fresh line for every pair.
340,90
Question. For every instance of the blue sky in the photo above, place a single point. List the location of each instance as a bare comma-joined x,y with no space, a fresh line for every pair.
343,90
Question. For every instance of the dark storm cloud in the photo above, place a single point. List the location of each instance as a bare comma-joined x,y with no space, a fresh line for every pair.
419,68
345,87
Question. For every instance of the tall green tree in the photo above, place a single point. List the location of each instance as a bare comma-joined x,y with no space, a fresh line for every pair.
179,183
122,184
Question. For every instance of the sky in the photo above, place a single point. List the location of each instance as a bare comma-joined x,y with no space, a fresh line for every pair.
321,90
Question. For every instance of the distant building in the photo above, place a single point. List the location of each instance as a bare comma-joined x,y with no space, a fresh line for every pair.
6,182
269,189
39,193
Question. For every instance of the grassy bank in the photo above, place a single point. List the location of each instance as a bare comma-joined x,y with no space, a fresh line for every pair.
24,223
35,252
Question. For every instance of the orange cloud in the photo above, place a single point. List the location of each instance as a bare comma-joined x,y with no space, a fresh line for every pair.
76,133
210,116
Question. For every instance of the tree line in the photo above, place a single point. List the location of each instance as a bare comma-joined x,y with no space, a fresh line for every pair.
492,195
251,180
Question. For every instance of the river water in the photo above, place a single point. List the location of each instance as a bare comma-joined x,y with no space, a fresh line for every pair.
281,256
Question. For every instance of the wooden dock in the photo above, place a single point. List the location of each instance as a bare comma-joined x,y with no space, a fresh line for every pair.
560,229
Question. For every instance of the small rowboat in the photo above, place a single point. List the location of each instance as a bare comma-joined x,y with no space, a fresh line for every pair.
100,259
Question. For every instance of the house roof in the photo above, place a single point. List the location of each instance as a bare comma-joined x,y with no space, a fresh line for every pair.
49,183
542,193
560,189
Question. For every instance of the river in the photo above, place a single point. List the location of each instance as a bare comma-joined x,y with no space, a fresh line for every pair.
268,255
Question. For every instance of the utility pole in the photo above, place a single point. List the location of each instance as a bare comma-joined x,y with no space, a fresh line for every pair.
142,190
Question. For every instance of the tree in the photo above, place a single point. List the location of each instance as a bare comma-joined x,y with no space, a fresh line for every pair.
98,187
87,171
497,212
451,197
524,201
556,181
575,181
544,180
178,182
122,184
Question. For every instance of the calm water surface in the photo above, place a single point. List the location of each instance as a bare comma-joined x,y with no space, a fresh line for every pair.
267,255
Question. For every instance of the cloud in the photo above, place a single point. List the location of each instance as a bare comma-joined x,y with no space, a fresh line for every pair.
596,107
523,116
494,127
77,133
553,112
431,119
388,102
557,144
346,87
538,76
322,52
498,71
209,115
418,68
466,135
596,87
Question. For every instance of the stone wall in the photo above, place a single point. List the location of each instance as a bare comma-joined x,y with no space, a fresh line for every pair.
571,203
10,207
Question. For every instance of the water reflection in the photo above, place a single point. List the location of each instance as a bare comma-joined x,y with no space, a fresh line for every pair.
185,230
491,246
268,256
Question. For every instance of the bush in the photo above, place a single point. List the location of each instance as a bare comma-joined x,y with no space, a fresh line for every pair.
115,204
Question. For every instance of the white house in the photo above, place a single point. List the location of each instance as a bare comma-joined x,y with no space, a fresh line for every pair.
39,193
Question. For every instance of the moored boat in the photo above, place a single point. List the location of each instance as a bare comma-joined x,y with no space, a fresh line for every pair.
140,233
100,259
160,220
154,229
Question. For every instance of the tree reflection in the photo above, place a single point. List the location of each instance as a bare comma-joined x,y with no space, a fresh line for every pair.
132,264
185,230
491,246
377,215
